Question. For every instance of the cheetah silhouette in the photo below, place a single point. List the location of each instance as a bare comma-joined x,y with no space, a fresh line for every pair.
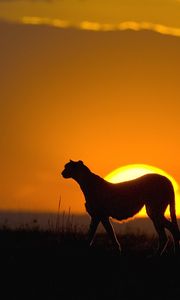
123,200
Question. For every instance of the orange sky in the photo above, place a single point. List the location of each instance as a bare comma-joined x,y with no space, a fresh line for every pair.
108,98
164,12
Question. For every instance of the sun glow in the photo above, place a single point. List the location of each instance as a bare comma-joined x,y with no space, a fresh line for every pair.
130,172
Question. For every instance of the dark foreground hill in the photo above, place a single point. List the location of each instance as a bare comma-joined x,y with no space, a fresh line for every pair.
49,265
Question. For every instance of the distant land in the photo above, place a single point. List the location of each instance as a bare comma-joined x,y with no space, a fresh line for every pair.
68,221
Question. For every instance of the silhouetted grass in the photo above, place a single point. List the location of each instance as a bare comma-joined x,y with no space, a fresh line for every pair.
58,264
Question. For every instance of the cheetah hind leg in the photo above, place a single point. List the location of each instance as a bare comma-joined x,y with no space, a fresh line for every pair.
163,240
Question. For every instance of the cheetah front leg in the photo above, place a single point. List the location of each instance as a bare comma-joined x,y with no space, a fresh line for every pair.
92,229
110,230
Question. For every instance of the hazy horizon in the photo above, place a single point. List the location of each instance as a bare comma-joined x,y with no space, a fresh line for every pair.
65,221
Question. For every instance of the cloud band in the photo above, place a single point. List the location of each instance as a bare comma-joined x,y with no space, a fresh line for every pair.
95,26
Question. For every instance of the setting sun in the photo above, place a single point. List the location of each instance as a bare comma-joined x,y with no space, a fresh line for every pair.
133,171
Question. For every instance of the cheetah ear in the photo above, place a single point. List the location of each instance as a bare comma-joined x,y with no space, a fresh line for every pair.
80,162
71,160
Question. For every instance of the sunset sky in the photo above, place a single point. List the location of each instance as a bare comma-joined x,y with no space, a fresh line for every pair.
94,80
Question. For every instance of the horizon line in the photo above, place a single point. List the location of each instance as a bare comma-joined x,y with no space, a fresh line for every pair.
67,212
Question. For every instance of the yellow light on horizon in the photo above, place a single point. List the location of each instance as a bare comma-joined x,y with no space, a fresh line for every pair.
97,26
133,171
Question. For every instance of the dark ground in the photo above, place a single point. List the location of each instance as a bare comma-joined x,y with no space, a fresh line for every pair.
46,265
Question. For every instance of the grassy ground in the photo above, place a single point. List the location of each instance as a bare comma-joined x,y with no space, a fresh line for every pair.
52,265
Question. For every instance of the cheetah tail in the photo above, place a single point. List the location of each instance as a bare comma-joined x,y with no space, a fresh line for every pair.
173,213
